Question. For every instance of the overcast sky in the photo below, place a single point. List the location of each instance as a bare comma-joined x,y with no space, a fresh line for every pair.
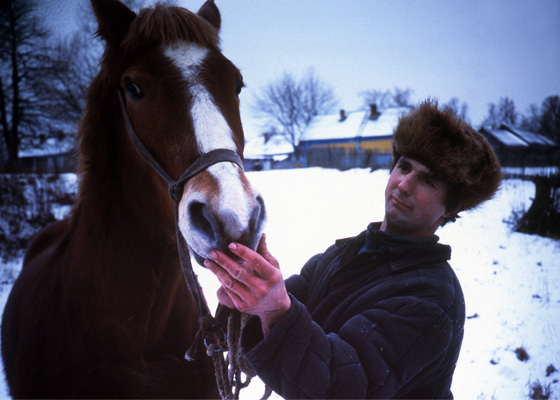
477,51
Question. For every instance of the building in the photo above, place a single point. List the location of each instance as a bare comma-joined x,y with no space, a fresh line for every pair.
517,148
357,139
48,155
264,149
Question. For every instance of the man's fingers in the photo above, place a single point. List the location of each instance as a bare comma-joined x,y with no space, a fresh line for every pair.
257,264
262,249
222,274
232,268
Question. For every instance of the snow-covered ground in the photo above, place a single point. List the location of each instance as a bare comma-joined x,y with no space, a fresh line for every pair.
511,280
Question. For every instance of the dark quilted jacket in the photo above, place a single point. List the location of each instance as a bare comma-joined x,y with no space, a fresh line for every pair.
375,316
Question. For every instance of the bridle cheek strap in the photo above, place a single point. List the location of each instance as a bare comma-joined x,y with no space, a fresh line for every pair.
209,331
199,165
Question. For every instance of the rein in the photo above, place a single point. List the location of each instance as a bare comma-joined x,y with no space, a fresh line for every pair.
210,332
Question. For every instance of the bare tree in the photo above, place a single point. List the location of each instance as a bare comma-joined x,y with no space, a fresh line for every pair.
530,121
550,118
20,35
503,113
545,120
543,217
290,105
30,78
383,99
401,97
79,56
460,109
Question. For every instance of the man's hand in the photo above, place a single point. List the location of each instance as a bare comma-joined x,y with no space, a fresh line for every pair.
254,286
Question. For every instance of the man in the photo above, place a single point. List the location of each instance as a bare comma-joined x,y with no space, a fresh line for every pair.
379,315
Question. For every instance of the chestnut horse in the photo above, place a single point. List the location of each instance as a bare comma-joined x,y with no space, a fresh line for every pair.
101,308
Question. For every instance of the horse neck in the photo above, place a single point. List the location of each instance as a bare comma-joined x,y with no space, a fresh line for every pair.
122,197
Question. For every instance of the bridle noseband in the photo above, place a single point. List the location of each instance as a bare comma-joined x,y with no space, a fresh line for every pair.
209,332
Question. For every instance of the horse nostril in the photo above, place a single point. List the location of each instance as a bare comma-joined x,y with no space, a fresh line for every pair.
218,228
202,220
258,215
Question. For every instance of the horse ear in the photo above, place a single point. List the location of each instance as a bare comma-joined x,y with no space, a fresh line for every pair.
113,18
209,11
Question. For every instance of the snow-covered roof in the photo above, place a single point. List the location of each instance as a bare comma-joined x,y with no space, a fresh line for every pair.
533,138
507,138
255,146
277,147
330,127
356,124
385,124
51,147
254,127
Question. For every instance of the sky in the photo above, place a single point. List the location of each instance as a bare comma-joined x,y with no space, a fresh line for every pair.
477,51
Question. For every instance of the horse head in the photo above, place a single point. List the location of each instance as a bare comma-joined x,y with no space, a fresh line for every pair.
180,94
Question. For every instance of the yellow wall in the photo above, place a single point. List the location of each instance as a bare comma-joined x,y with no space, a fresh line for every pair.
335,145
378,146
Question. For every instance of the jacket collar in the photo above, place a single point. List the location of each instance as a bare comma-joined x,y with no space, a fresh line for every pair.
403,252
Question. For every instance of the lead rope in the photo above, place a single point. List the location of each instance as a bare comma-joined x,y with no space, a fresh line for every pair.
210,332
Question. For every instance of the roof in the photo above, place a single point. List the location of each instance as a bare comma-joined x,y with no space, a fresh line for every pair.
357,124
256,148
255,145
506,137
51,147
532,138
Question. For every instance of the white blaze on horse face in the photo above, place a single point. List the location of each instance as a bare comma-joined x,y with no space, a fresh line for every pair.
210,127
234,201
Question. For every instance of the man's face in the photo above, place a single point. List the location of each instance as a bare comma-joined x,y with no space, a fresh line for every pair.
414,200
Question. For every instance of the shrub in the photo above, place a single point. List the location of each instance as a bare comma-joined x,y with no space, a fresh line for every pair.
538,391
28,203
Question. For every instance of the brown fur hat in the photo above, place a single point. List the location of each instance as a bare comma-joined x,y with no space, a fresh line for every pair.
452,149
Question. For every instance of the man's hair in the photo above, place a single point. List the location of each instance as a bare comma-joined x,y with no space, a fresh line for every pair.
453,151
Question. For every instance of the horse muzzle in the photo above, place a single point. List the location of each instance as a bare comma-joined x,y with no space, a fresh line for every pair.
213,216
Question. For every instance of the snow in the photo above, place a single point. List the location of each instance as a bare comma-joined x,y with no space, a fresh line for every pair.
530,171
277,148
331,127
510,279
50,147
508,138
385,123
534,138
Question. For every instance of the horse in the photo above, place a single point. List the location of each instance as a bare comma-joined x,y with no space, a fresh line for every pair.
101,307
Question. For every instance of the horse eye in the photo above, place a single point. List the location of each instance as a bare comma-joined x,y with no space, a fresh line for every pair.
133,90
239,85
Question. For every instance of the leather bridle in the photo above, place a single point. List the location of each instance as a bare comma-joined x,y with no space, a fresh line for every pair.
209,331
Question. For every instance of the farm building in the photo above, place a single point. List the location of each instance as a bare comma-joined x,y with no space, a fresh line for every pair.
51,155
264,149
522,149
351,139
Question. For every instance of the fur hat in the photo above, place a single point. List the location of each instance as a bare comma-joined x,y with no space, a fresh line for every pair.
452,149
